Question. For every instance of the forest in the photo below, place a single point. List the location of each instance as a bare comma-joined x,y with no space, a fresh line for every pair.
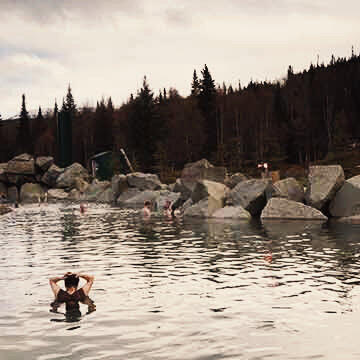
304,118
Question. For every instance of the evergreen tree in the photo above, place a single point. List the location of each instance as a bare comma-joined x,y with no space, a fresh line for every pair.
69,104
40,115
23,138
207,103
110,106
146,127
195,85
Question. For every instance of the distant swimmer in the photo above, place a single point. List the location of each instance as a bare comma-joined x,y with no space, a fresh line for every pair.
72,295
147,208
82,208
167,209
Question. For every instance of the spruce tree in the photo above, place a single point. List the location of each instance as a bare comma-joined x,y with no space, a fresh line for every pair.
207,103
24,142
69,103
195,85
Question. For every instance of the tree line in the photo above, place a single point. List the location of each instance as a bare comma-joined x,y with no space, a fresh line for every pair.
302,118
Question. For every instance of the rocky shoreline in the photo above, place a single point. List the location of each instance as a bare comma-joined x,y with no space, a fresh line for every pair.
204,190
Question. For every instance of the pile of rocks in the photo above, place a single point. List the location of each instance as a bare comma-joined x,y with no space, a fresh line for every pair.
203,190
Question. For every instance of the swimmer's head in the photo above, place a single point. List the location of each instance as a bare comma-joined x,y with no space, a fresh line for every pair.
147,203
167,204
82,208
71,281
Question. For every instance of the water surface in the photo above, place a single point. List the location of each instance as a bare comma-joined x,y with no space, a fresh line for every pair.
179,289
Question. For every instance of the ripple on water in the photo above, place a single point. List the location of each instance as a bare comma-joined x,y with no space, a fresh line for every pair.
182,289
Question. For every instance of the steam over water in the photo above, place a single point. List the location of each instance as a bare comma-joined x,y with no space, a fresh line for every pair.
179,289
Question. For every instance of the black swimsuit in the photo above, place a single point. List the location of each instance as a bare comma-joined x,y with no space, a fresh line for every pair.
71,300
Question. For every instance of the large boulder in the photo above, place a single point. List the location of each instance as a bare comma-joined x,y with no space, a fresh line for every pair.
31,193
164,197
4,209
107,196
143,181
81,185
203,170
139,199
3,190
200,209
288,189
324,182
68,178
127,194
232,212
44,162
213,192
250,194
13,194
75,195
278,208
95,189
119,184
57,194
23,165
234,179
3,168
347,199
51,176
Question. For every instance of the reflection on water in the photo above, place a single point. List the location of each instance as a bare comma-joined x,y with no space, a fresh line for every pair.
178,289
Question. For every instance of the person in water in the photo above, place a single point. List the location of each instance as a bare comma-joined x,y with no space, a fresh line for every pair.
72,295
82,208
147,208
167,209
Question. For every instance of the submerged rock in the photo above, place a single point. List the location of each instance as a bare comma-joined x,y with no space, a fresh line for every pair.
5,209
127,194
201,209
324,182
278,208
140,198
57,194
347,200
94,191
232,212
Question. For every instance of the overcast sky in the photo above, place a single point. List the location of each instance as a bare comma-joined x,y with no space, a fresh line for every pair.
105,47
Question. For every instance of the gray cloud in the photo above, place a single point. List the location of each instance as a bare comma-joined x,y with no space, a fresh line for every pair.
51,10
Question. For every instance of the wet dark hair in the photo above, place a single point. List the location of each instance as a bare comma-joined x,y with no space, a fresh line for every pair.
147,203
71,281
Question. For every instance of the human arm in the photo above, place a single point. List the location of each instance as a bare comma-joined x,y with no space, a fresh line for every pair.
89,282
53,284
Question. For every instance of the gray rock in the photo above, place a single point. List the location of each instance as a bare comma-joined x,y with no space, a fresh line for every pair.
232,212
188,203
107,196
234,179
206,188
184,188
288,189
278,208
203,170
57,194
5,209
18,179
347,200
143,181
23,165
3,189
139,199
81,185
249,194
94,191
3,168
127,194
324,182
13,194
119,184
44,162
200,209
75,195
31,193
71,173
171,187
164,196
50,177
